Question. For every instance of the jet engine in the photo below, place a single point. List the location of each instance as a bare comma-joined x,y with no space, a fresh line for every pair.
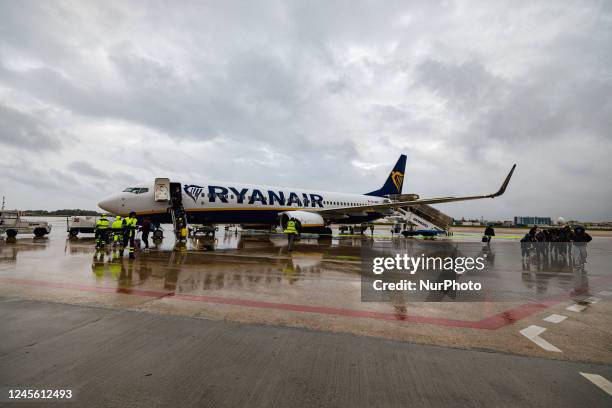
305,222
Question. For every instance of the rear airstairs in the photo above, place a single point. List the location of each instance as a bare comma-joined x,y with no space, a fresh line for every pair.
422,219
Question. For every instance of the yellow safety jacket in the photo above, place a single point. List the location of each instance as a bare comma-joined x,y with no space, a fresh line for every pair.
130,222
117,224
290,228
102,223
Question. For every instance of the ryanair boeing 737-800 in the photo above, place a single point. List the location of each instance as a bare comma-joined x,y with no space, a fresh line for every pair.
211,203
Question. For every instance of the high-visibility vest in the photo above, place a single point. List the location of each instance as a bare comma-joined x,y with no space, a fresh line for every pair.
130,222
290,228
117,224
102,223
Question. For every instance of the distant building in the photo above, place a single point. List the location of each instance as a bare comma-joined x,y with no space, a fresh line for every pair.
529,221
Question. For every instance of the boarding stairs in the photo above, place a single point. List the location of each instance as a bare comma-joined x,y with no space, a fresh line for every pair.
425,217
179,221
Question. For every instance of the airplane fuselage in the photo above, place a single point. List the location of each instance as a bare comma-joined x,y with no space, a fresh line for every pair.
236,203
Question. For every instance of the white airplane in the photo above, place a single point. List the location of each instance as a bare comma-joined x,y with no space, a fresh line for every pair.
235,203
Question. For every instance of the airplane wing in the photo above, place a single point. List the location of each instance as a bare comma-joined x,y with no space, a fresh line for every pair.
400,204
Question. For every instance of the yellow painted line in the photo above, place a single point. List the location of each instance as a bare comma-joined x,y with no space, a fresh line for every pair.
348,258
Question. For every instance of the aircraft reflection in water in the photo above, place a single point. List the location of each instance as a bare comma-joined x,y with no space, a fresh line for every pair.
263,264
183,271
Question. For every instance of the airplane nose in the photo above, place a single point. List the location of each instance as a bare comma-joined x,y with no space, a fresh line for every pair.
107,204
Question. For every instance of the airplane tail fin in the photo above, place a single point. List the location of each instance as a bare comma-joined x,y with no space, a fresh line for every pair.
394,182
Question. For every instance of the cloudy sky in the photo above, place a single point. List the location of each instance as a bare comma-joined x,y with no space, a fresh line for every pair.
97,96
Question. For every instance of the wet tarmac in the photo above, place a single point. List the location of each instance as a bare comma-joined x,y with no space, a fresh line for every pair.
251,277
251,306
117,358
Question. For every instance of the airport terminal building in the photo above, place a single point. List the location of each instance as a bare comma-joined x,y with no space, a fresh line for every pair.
530,221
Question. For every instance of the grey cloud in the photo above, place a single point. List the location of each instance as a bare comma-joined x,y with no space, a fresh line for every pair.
292,93
467,86
26,130
549,105
99,177
86,169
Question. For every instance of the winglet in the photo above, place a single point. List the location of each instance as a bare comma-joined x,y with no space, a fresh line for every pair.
504,185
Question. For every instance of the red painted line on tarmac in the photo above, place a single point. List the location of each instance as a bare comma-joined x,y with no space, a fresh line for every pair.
489,323
513,315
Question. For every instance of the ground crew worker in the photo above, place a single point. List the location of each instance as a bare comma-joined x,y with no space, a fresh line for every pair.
291,232
117,228
129,233
101,231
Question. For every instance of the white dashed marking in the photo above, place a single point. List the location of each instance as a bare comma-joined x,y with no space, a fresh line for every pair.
555,318
533,333
599,381
575,308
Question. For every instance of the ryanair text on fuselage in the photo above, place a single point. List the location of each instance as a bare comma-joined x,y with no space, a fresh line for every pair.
252,196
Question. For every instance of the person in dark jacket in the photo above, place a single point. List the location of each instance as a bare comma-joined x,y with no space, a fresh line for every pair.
580,238
527,241
145,229
541,244
488,233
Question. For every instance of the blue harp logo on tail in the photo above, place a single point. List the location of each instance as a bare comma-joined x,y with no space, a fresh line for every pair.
193,191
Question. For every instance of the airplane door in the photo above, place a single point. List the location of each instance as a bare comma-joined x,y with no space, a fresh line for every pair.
162,189
175,192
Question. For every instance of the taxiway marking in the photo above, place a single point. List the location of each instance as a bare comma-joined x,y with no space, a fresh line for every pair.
576,308
599,381
533,333
555,318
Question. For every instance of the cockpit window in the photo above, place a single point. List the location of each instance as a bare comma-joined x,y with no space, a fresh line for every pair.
136,190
